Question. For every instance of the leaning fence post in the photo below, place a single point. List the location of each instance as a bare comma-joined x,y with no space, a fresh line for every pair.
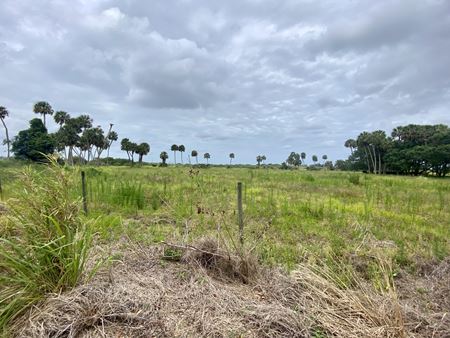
240,213
83,191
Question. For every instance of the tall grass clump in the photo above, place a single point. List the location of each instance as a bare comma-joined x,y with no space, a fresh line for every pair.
48,248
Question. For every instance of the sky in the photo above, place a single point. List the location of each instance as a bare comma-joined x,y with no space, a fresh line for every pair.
252,77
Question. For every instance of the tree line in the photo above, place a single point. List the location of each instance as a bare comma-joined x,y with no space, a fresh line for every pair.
409,150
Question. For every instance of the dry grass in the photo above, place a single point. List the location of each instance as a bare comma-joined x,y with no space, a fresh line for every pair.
204,295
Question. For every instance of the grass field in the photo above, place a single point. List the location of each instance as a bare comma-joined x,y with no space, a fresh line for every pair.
345,241
289,216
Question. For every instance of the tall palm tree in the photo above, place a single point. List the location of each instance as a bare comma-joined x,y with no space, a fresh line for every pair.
231,157
43,108
194,153
181,149
351,143
111,137
303,157
163,156
207,156
3,114
174,148
259,160
324,157
314,158
142,149
263,158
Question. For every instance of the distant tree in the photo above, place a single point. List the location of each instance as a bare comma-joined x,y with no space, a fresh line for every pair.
126,146
294,159
328,165
61,117
163,156
231,157
111,137
303,157
4,113
263,158
93,142
181,149
350,143
258,160
174,148
33,143
325,157
194,153
314,158
85,121
69,136
207,156
142,150
43,108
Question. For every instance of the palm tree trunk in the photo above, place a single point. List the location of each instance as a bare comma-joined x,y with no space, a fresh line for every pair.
70,156
44,121
181,157
175,156
7,135
367,160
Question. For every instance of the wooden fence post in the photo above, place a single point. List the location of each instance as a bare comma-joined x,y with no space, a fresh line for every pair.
83,191
240,213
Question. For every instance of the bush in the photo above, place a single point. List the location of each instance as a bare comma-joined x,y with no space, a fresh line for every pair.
50,245
354,179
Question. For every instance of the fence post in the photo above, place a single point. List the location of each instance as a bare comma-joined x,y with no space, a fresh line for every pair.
240,213
83,191
1,189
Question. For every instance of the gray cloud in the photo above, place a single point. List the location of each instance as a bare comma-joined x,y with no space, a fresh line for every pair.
247,77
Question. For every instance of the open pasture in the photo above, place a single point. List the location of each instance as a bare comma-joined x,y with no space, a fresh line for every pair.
289,216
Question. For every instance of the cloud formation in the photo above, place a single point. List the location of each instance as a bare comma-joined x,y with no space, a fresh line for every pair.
250,77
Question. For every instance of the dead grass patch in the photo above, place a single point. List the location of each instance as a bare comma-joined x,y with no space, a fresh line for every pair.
204,295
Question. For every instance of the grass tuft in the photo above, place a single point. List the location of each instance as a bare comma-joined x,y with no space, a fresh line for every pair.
48,249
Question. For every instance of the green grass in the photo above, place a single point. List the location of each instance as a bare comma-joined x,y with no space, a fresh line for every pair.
291,215
44,242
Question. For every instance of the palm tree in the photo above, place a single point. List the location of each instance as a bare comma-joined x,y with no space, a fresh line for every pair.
207,156
3,114
142,149
174,148
43,108
259,160
351,143
61,117
163,156
111,137
263,158
231,157
324,157
303,156
85,121
194,153
314,158
181,149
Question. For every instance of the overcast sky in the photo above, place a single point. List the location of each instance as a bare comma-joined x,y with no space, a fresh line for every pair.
244,76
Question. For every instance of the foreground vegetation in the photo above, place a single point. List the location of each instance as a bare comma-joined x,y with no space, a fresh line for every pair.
291,214
344,220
